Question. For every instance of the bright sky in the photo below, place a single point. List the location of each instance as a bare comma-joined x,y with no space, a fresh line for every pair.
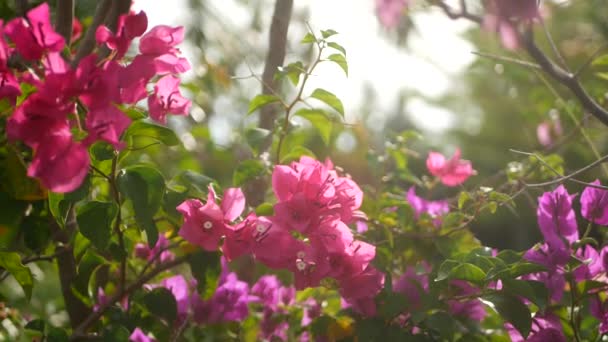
436,54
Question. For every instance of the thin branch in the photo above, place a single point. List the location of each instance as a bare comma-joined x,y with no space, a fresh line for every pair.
65,17
556,72
556,52
95,316
569,177
508,60
88,42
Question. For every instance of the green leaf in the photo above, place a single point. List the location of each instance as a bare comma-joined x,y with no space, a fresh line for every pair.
264,209
206,268
509,256
468,272
328,98
601,60
255,137
512,310
445,269
153,131
337,46
524,268
260,101
161,302
247,171
36,325
144,187
534,291
308,38
391,304
56,335
101,150
95,222
292,71
15,181
12,263
340,60
196,183
328,33
463,198
319,120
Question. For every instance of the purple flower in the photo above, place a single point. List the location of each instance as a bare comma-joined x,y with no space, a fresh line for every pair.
267,290
544,328
434,209
556,218
390,11
592,264
594,204
230,302
471,309
139,336
553,260
412,283
312,310
180,289
600,311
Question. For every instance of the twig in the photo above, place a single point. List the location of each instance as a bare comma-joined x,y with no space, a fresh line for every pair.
117,222
65,17
88,42
508,60
80,330
590,60
569,177
556,52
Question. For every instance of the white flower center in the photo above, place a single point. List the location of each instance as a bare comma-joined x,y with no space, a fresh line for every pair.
301,265
261,228
208,225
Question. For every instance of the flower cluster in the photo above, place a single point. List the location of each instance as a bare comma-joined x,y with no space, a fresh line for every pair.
451,172
503,16
307,235
558,225
84,97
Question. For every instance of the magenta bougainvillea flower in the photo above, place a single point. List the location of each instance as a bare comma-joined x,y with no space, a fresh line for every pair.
205,225
545,327
503,16
435,209
452,172
556,218
389,12
594,204
159,252
167,99
139,335
34,35
129,27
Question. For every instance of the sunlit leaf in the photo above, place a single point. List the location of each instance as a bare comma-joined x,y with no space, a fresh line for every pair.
328,98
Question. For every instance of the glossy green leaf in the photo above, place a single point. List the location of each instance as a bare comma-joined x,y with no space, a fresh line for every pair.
101,150
337,46
534,291
153,131
319,120
95,222
512,310
144,187
255,137
328,98
340,60
206,268
260,101
308,38
468,272
11,262
328,33
15,181
161,303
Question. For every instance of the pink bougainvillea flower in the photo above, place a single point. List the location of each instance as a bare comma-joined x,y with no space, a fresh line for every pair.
452,172
471,309
389,12
34,35
161,40
413,283
139,336
129,27
548,130
159,252
556,218
167,99
503,16
108,124
205,225
594,204
360,290
553,259
591,263
599,310
59,162
435,209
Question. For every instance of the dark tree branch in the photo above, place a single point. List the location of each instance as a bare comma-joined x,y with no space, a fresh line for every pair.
567,79
88,42
66,263
93,317
64,19
277,47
